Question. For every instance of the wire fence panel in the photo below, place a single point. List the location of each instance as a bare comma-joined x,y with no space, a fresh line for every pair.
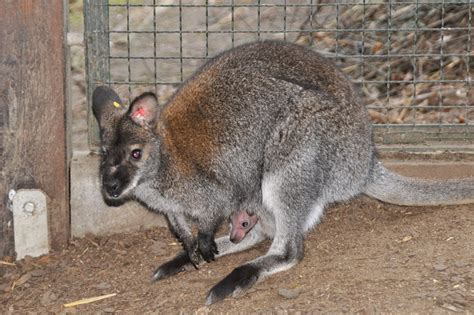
412,60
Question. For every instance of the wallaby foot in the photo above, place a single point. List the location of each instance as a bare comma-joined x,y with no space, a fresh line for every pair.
244,277
237,282
178,264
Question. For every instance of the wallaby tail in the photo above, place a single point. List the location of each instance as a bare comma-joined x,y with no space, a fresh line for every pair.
390,187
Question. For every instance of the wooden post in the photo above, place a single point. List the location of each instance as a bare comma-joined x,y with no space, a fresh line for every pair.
33,98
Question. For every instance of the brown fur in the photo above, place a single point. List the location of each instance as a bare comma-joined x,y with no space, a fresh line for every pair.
188,136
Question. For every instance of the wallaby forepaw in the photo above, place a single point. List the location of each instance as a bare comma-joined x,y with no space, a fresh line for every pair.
237,282
207,247
192,250
194,259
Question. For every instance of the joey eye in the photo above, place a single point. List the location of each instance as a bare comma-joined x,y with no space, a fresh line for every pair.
245,224
136,154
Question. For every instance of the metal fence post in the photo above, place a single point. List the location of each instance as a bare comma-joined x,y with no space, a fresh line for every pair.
96,35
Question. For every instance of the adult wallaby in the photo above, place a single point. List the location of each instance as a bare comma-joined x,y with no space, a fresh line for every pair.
269,126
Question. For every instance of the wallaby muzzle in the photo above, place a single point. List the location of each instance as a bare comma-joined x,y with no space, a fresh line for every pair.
114,186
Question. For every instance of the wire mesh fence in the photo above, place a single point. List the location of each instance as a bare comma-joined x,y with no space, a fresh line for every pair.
412,60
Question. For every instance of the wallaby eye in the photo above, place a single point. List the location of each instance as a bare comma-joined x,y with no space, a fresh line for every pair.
245,224
136,154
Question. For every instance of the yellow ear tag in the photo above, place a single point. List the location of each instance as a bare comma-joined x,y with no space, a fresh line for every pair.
117,105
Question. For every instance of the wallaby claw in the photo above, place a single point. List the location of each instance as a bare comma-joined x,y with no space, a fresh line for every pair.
207,247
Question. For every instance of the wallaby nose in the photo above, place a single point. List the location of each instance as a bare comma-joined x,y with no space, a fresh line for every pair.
112,186
114,189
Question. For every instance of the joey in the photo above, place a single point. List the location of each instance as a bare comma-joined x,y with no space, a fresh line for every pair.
241,222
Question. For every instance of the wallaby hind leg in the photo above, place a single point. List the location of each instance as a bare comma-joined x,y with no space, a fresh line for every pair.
286,249
284,253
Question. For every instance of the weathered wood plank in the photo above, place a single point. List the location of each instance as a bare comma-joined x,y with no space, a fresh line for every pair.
33,94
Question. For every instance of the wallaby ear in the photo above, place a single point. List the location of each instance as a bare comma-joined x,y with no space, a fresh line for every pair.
107,108
144,110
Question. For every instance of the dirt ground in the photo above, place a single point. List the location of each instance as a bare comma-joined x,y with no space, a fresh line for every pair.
365,257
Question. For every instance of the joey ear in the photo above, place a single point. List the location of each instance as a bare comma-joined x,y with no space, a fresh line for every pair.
144,110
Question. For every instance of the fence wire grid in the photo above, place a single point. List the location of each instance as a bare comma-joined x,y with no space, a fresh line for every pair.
412,60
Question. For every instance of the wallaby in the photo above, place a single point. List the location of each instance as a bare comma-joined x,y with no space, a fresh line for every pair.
269,126
241,222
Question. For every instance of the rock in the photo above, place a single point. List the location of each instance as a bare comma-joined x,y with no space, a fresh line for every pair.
47,298
461,264
38,273
103,286
289,293
439,266
109,310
